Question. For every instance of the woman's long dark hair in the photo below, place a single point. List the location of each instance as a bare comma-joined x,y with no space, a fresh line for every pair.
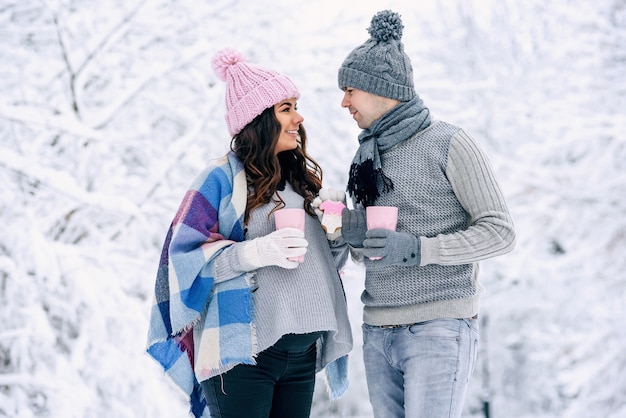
255,146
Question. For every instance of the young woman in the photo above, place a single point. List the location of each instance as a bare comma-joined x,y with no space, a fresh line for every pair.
238,324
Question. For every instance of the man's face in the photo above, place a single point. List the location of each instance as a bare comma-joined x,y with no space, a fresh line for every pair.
366,107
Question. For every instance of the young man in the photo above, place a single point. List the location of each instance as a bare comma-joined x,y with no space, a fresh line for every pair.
421,299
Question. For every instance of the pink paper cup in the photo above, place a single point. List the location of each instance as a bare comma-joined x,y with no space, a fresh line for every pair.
290,218
385,217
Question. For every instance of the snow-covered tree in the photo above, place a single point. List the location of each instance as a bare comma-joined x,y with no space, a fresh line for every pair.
108,110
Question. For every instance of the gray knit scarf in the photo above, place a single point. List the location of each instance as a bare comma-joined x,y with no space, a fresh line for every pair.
397,125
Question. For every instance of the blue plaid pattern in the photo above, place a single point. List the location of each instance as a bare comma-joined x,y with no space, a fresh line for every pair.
187,302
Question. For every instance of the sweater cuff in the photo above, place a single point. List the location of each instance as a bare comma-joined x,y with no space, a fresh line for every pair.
230,263
429,249
248,256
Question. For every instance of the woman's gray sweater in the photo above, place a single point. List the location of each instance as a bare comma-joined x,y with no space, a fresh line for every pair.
306,299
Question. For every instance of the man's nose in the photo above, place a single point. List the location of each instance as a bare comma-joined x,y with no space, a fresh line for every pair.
345,102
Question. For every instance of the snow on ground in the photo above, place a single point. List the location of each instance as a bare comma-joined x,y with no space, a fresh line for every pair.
109,109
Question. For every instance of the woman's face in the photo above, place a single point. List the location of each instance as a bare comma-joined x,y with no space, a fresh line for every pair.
290,120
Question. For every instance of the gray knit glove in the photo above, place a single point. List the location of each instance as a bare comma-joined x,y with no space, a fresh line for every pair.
353,227
395,248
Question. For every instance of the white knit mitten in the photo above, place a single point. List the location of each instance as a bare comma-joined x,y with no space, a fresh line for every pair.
274,249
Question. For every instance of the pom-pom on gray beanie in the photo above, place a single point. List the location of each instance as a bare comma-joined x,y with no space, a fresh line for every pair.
380,65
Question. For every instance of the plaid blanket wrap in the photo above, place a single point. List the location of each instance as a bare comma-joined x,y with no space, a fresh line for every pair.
199,329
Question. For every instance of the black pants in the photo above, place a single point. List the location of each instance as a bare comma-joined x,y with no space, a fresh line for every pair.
280,385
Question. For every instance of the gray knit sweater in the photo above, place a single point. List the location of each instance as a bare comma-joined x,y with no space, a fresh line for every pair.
306,299
446,194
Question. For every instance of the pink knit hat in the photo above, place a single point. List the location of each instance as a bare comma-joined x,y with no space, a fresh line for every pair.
250,89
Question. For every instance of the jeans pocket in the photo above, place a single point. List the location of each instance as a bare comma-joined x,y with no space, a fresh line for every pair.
445,329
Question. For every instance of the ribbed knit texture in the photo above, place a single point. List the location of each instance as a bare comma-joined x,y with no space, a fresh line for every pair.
250,88
306,299
447,195
379,65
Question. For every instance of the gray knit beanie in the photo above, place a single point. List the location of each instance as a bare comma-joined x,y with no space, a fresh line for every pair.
380,66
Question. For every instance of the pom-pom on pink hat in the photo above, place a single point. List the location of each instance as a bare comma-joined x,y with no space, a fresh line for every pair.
250,89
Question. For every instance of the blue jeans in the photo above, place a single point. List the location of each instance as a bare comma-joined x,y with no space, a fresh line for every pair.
420,370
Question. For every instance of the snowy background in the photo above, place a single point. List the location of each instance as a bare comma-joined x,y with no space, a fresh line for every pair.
109,108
